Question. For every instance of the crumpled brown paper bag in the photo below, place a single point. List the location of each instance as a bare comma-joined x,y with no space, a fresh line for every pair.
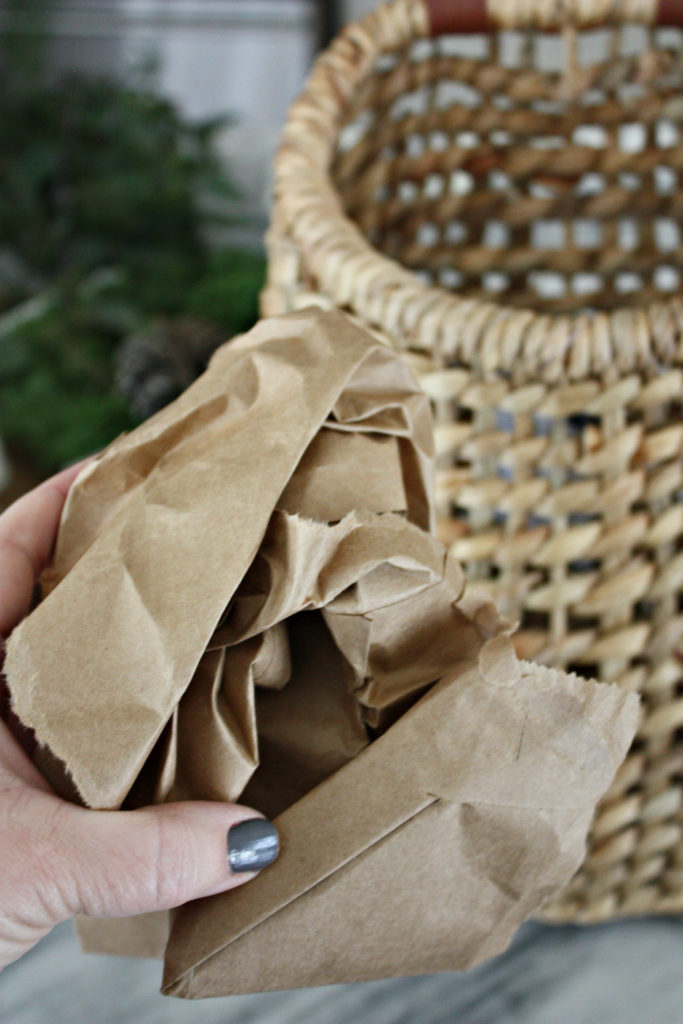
246,604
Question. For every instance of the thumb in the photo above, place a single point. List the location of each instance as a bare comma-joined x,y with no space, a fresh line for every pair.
115,863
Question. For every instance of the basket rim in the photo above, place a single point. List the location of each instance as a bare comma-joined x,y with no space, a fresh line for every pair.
308,211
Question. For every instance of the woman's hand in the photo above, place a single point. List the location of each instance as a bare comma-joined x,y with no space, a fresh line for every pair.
58,859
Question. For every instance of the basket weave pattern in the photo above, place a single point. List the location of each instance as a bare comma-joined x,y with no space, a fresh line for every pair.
515,231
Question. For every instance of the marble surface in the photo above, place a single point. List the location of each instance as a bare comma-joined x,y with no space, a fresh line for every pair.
625,973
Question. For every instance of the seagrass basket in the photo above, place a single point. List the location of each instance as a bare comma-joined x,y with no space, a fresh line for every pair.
496,190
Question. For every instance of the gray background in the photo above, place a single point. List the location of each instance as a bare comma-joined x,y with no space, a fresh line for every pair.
625,973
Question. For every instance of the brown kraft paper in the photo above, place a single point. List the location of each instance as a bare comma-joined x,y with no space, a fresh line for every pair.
247,604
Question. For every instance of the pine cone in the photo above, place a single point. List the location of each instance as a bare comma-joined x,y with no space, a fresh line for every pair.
156,364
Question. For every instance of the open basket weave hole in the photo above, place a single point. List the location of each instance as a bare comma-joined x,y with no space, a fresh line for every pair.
476,165
506,210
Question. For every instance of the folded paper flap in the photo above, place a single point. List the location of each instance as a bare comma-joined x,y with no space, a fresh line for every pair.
321,488
198,919
304,564
369,395
157,536
444,890
392,794
609,720
435,752
179,979
541,741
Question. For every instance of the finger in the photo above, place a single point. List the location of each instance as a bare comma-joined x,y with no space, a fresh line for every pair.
115,863
16,769
27,533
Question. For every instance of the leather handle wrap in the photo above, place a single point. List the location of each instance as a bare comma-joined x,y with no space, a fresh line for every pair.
446,17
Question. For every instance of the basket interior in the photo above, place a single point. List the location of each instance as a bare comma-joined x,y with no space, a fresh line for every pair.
541,171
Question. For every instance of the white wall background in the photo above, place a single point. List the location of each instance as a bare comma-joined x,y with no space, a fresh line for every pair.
354,9
248,55
245,57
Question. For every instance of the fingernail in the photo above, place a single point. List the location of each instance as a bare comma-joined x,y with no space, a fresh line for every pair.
252,845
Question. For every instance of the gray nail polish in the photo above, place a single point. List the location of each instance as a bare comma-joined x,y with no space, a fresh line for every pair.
252,845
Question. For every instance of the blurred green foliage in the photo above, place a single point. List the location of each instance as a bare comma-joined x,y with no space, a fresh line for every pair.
103,193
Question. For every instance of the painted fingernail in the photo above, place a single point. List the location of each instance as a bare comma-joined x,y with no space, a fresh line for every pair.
252,845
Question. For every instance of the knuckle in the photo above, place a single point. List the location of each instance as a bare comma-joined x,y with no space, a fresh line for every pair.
174,866
36,877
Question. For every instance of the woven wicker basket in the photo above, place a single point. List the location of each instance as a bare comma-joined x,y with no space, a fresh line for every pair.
505,207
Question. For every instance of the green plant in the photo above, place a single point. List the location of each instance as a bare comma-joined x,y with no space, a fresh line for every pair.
227,292
57,401
92,173
103,230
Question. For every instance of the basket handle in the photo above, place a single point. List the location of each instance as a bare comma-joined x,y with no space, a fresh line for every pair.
447,17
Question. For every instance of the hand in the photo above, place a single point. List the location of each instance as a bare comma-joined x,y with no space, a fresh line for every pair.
58,859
